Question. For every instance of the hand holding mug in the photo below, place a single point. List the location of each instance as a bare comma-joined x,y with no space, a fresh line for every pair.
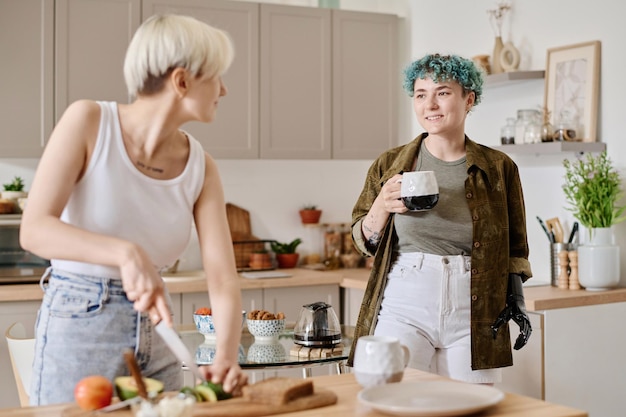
419,190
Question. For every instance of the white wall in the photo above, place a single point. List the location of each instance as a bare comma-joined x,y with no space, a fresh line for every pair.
273,191
533,26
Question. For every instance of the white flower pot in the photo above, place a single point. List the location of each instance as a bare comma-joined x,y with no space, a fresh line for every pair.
598,261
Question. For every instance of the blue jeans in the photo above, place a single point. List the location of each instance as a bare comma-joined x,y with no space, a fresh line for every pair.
83,327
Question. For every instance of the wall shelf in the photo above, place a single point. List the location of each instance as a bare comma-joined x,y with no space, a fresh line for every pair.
506,78
552,148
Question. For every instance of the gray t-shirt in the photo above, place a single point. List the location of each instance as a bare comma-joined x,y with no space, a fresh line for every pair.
447,228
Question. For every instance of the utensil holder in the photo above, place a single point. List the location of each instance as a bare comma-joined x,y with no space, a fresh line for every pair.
555,267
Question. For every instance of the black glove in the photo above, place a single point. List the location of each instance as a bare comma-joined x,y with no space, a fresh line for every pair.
515,309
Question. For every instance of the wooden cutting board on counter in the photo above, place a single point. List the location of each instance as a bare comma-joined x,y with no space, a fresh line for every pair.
240,407
241,234
235,407
239,222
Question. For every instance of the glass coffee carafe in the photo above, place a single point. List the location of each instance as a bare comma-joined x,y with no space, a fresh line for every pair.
317,326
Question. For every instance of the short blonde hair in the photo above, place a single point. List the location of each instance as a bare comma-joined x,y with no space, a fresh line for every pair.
165,42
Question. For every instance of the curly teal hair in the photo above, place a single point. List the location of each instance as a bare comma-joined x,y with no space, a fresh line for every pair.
442,68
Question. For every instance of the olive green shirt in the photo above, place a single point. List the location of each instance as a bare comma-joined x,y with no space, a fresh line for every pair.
494,196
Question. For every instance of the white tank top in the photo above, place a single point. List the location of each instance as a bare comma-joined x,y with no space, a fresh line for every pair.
116,199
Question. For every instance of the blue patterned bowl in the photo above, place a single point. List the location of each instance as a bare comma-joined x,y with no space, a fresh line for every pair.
266,329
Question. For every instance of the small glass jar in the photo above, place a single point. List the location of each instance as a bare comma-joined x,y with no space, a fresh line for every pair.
532,133
547,130
525,118
507,132
566,128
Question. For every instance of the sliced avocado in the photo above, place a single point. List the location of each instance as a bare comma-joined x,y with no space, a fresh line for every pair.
218,389
126,387
207,393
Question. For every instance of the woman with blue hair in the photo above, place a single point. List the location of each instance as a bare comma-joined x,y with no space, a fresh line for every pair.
447,280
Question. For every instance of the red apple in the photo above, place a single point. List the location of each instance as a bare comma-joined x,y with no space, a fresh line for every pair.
93,392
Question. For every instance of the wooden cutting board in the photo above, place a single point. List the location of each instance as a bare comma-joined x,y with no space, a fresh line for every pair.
239,407
236,407
239,222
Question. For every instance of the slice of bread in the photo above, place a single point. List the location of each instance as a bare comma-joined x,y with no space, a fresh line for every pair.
278,390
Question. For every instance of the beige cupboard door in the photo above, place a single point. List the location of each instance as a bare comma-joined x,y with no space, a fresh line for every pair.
365,84
235,131
26,83
295,82
91,41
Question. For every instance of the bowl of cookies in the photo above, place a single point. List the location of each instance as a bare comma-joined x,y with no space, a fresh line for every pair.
264,325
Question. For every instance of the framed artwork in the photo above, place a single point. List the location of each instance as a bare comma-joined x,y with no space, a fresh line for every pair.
572,87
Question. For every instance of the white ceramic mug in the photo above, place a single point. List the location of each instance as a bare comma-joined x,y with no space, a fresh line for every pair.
379,360
419,190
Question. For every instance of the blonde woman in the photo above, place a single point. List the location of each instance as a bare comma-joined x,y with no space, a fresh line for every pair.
112,204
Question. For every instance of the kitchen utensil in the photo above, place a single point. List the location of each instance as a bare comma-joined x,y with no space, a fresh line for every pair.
317,326
171,338
554,225
545,229
119,405
135,372
573,233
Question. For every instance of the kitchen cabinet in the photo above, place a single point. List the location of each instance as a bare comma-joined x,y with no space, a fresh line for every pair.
60,51
235,131
365,84
328,83
295,76
91,38
26,102
574,357
11,312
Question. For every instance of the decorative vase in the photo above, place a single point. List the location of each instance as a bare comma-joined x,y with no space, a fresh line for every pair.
598,261
496,66
287,260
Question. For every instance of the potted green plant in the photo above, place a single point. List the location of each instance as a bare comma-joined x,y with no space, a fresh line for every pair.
592,191
286,255
310,214
14,189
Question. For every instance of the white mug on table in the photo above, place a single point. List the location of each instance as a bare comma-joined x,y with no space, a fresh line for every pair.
379,360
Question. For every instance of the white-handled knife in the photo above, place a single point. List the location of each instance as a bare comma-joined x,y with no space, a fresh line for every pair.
172,340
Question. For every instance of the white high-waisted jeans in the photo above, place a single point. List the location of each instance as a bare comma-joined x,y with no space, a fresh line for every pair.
83,326
426,304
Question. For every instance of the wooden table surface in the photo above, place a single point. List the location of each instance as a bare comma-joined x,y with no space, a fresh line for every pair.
346,388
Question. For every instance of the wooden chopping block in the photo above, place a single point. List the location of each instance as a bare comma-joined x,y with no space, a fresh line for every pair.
241,231
240,407
239,222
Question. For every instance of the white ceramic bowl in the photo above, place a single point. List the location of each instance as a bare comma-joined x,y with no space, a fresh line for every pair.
265,329
204,324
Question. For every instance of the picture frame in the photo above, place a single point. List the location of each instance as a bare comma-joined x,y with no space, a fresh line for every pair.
572,85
